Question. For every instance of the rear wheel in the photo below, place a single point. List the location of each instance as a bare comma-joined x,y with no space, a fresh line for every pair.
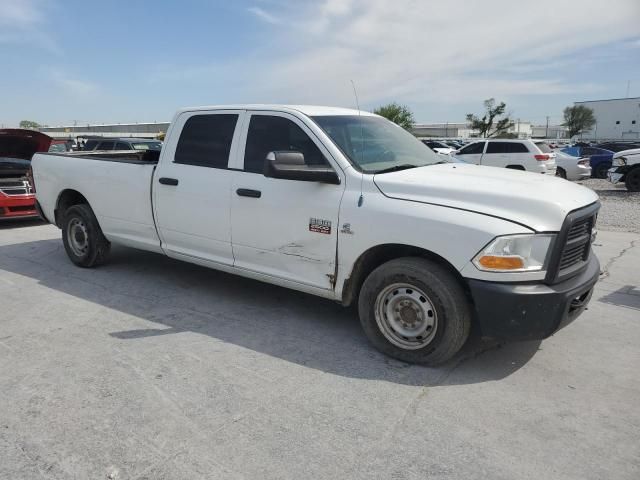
415,310
561,173
632,180
82,237
601,170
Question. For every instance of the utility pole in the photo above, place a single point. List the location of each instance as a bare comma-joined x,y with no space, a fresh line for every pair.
546,130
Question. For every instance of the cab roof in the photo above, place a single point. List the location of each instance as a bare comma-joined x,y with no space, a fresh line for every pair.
309,110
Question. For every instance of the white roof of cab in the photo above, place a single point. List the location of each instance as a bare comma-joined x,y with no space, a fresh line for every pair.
309,110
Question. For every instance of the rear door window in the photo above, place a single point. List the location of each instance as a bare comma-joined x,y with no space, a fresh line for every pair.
205,140
516,147
122,146
105,146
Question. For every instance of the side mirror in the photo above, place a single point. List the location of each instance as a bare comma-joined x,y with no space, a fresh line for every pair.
289,165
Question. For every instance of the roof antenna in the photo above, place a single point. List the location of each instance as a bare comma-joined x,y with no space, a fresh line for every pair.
355,94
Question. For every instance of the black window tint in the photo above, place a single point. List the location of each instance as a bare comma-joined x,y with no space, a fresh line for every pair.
205,140
90,145
496,147
122,146
270,134
105,146
515,147
473,148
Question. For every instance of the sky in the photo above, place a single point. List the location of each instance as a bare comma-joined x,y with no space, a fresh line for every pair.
67,61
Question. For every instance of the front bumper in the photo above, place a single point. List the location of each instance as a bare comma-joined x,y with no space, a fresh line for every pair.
615,174
528,311
17,206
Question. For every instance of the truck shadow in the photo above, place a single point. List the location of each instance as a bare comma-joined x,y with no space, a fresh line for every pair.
178,297
6,224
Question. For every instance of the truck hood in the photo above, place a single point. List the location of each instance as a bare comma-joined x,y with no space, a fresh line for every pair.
537,201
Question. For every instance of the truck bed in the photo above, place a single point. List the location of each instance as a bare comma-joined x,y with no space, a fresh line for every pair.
117,185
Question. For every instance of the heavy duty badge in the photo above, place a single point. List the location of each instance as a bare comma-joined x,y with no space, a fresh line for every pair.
319,226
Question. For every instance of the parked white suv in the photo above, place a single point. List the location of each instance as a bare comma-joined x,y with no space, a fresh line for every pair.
514,154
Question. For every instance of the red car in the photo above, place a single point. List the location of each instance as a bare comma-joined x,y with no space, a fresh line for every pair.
17,146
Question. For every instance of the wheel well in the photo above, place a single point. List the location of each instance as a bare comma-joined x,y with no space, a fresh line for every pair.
376,256
66,199
515,167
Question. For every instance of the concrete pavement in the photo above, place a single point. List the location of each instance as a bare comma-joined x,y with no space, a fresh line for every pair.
152,368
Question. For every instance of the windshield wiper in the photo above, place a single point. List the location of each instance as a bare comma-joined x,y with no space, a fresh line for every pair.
396,168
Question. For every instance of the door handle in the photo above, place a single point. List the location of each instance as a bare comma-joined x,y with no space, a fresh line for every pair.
247,192
168,181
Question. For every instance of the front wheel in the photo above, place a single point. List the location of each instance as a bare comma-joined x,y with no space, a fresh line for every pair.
415,310
601,170
632,180
561,173
82,237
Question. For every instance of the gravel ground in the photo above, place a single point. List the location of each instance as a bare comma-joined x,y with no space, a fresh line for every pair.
620,209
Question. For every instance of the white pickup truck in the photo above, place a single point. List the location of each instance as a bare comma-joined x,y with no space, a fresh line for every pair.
345,205
626,168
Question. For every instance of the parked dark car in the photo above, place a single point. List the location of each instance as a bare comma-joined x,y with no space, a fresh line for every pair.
618,146
599,158
122,144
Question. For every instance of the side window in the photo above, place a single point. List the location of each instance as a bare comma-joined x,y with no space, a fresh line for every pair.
269,134
205,140
474,148
515,147
122,146
105,146
90,145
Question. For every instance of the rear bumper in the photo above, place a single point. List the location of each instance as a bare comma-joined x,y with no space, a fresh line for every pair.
17,206
528,311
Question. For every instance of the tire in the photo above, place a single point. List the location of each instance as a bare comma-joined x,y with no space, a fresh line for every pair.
82,237
561,173
601,170
632,180
515,167
399,287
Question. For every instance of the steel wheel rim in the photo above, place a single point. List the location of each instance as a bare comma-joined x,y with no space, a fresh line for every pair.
78,237
406,316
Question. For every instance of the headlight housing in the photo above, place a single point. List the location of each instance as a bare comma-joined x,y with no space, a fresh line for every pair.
619,162
515,253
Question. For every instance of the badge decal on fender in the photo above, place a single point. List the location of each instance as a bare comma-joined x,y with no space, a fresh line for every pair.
318,225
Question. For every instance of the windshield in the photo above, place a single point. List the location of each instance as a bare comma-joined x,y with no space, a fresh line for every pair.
147,146
374,144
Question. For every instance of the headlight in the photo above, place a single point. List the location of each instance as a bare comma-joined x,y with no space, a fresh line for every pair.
515,253
620,161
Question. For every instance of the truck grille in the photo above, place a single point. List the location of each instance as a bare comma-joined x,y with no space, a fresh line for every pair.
15,187
574,243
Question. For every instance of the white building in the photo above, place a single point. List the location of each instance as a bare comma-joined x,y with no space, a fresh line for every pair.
551,131
140,130
616,119
462,130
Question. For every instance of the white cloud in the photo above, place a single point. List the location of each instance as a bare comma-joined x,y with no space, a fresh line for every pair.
72,85
427,51
263,15
23,22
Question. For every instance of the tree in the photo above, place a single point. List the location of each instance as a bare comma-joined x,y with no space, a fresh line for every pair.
398,114
491,125
578,119
29,124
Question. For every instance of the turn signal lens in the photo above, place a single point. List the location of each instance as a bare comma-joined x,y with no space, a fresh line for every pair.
515,253
501,263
